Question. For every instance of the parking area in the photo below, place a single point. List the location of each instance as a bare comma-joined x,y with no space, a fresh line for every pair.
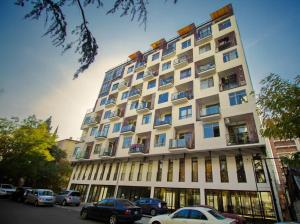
19,213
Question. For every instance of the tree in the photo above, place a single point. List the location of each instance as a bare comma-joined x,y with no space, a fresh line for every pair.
28,151
292,161
279,106
85,42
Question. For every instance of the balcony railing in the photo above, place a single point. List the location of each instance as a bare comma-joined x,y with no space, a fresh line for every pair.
101,134
140,65
224,45
128,128
239,139
180,143
181,95
168,51
181,60
135,92
144,105
159,122
116,114
163,82
123,85
110,101
106,152
231,85
210,111
207,67
91,121
203,33
137,148
149,74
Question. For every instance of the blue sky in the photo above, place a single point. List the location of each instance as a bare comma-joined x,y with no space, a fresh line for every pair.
36,79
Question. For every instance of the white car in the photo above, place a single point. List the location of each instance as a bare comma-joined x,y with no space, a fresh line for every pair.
6,189
192,215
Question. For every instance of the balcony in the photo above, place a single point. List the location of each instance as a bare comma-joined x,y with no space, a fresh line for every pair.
232,78
116,115
203,34
181,97
143,107
91,121
128,129
166,83
168,53
180,145
137,149
110,102
231,84
139,66
106,153
206,69
210,113
123,85
83,155
181,61
238,138
101,135
226,42
134,94
149,75
163,124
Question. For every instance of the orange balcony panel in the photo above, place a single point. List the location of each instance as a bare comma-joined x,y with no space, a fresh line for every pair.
224,11
135,55
158,44
186,29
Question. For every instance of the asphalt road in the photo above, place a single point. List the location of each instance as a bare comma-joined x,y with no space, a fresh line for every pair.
18,213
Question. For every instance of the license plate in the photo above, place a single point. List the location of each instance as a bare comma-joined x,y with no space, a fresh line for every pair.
136,212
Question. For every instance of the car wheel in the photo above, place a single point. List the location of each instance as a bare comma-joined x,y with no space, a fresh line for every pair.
153,212
64,203
113,220
36,203
155,222
84,214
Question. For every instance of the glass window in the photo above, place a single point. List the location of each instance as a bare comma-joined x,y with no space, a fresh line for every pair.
76,151
194,169
208,170
149,171
127,142
224,25
204,48
140,75
195,214
103,101
140,173
124,95
185,73
207,83
107,114
186,44
170,171
130,69
182,214
123,171
114,86
97,148
93,131
103,171
223,169
212,109
185,112
160,140
109,172
134,105
181,170
230,55
146,119
216,214
117,127
105,130
151,84
211,130
259,171
116,171
238,98
155,56
241,175
166,66
163,98
159,170
131,171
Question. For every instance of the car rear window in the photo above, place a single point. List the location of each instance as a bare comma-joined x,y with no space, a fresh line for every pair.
45,193
6,186
125,203
76,194
216,214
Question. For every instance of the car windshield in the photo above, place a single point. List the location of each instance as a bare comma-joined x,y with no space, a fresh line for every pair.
6,186
216,214
76,194
125,203
45,193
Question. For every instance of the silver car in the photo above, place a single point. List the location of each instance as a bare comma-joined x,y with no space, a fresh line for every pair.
6,189
40,197
68,197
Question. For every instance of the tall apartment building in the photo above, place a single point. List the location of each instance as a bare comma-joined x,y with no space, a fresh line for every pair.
178,123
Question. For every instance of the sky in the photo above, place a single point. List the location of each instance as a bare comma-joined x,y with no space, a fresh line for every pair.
35,78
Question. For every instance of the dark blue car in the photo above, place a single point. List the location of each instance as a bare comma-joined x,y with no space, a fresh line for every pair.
152,206
112,210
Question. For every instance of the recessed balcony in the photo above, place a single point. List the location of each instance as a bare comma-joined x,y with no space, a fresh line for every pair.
181,97
180,145
137,149
134,94
110,102
232,78
149,75
210,113
101,135
128,129
181,62
166,83
143,107
139,66
106,153
203,34
123,85
163,124
206,69
116,115
168,53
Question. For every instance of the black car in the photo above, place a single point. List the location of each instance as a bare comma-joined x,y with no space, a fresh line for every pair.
112,210
20,194
152,206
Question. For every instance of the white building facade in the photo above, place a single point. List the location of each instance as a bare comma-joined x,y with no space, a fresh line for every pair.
178,122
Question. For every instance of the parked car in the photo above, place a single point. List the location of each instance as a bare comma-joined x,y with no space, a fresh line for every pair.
6,190
20,194
40,197
192,215
152,206
68,197
112,210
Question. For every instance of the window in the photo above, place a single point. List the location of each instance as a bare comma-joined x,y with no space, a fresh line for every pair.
186,44
182,214
127,142
114,86
149,171
166,66
155,56
123,171
212,109
208,170
97,148
102,172
204,32
105,130
117,127
151,84
230,55
216,214
130,69
241,175
170,171
146,119
97,170
103,101
109,171
116,171
163,98
224,25
211,130
159,170
181,170
223,169
134,105
140,173
160,140
195,214
91,171
124,95
76,151
131,171
207,83
194,169
238,98
107,114
185,73
204,48
259,171
140,75
93,131
185,112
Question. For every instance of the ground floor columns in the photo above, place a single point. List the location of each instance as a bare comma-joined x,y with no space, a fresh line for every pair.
152,192
202,196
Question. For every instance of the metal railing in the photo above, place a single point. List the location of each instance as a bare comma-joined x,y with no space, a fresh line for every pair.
137,148
180,143
127,128
231,85
204,68
140,64
144,105
181,95
106,152
110,101
163,82
159,122
239,139
134,92
210,111
168,51
203,34
182,59
101,134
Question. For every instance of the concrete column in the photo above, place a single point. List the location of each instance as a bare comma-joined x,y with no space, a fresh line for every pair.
152,192
202,196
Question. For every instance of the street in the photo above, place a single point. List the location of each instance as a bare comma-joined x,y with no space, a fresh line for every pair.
18,213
